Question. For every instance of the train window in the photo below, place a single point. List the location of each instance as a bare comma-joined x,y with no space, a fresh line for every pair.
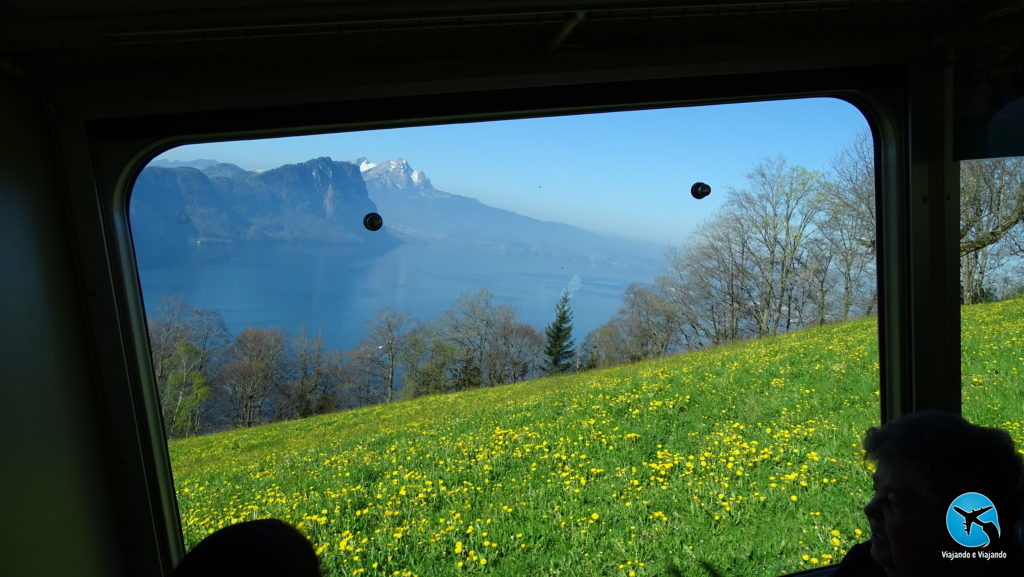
630,343
992,291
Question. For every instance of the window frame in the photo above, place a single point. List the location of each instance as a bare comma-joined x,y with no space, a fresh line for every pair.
907,108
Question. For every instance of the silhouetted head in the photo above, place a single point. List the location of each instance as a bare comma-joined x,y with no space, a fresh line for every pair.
925,460
262,548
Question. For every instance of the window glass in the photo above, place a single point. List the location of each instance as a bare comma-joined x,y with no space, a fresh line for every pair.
629,344
991,290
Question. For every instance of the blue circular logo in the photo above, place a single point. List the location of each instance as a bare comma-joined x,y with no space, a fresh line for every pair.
972,520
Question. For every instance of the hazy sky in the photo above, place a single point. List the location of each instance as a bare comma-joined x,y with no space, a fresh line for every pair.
625,173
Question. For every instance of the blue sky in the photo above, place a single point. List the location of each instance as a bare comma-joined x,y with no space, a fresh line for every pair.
626,173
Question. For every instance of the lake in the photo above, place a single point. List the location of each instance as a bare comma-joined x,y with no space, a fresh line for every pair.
291,287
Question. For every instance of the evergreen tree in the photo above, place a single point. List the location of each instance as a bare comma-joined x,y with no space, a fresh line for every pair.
559,349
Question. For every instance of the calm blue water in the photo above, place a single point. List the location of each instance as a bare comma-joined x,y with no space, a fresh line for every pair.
293,287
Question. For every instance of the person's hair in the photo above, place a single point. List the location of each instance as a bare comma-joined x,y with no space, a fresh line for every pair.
949,456
265,547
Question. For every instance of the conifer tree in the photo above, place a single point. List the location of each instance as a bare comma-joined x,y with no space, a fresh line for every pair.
559,349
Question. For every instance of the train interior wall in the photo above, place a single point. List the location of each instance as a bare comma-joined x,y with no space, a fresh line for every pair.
55,515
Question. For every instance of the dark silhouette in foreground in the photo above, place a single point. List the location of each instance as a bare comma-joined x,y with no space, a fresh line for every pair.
918,476
262,548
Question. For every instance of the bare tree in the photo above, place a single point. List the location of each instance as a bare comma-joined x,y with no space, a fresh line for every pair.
360,379
779,208
516,350
587,354
312,378
470,327
256,364
814,285
186,343
649,325
709,282
991,206
847,225
653,324
850,191
474,344
757,267
428,362
608,345
382,349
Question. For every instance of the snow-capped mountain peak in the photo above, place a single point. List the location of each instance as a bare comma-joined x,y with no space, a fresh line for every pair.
396,175
398,165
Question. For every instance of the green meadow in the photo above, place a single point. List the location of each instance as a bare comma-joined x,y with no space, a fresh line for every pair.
739,460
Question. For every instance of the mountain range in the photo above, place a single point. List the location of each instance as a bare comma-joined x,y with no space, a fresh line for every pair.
319,200
323,200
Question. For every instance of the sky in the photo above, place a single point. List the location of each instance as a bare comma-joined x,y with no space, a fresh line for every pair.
625,173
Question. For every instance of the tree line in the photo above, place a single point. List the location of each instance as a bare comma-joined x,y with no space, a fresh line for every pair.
791,249
209,381
796,248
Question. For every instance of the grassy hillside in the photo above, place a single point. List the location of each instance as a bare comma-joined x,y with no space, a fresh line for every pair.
743,460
